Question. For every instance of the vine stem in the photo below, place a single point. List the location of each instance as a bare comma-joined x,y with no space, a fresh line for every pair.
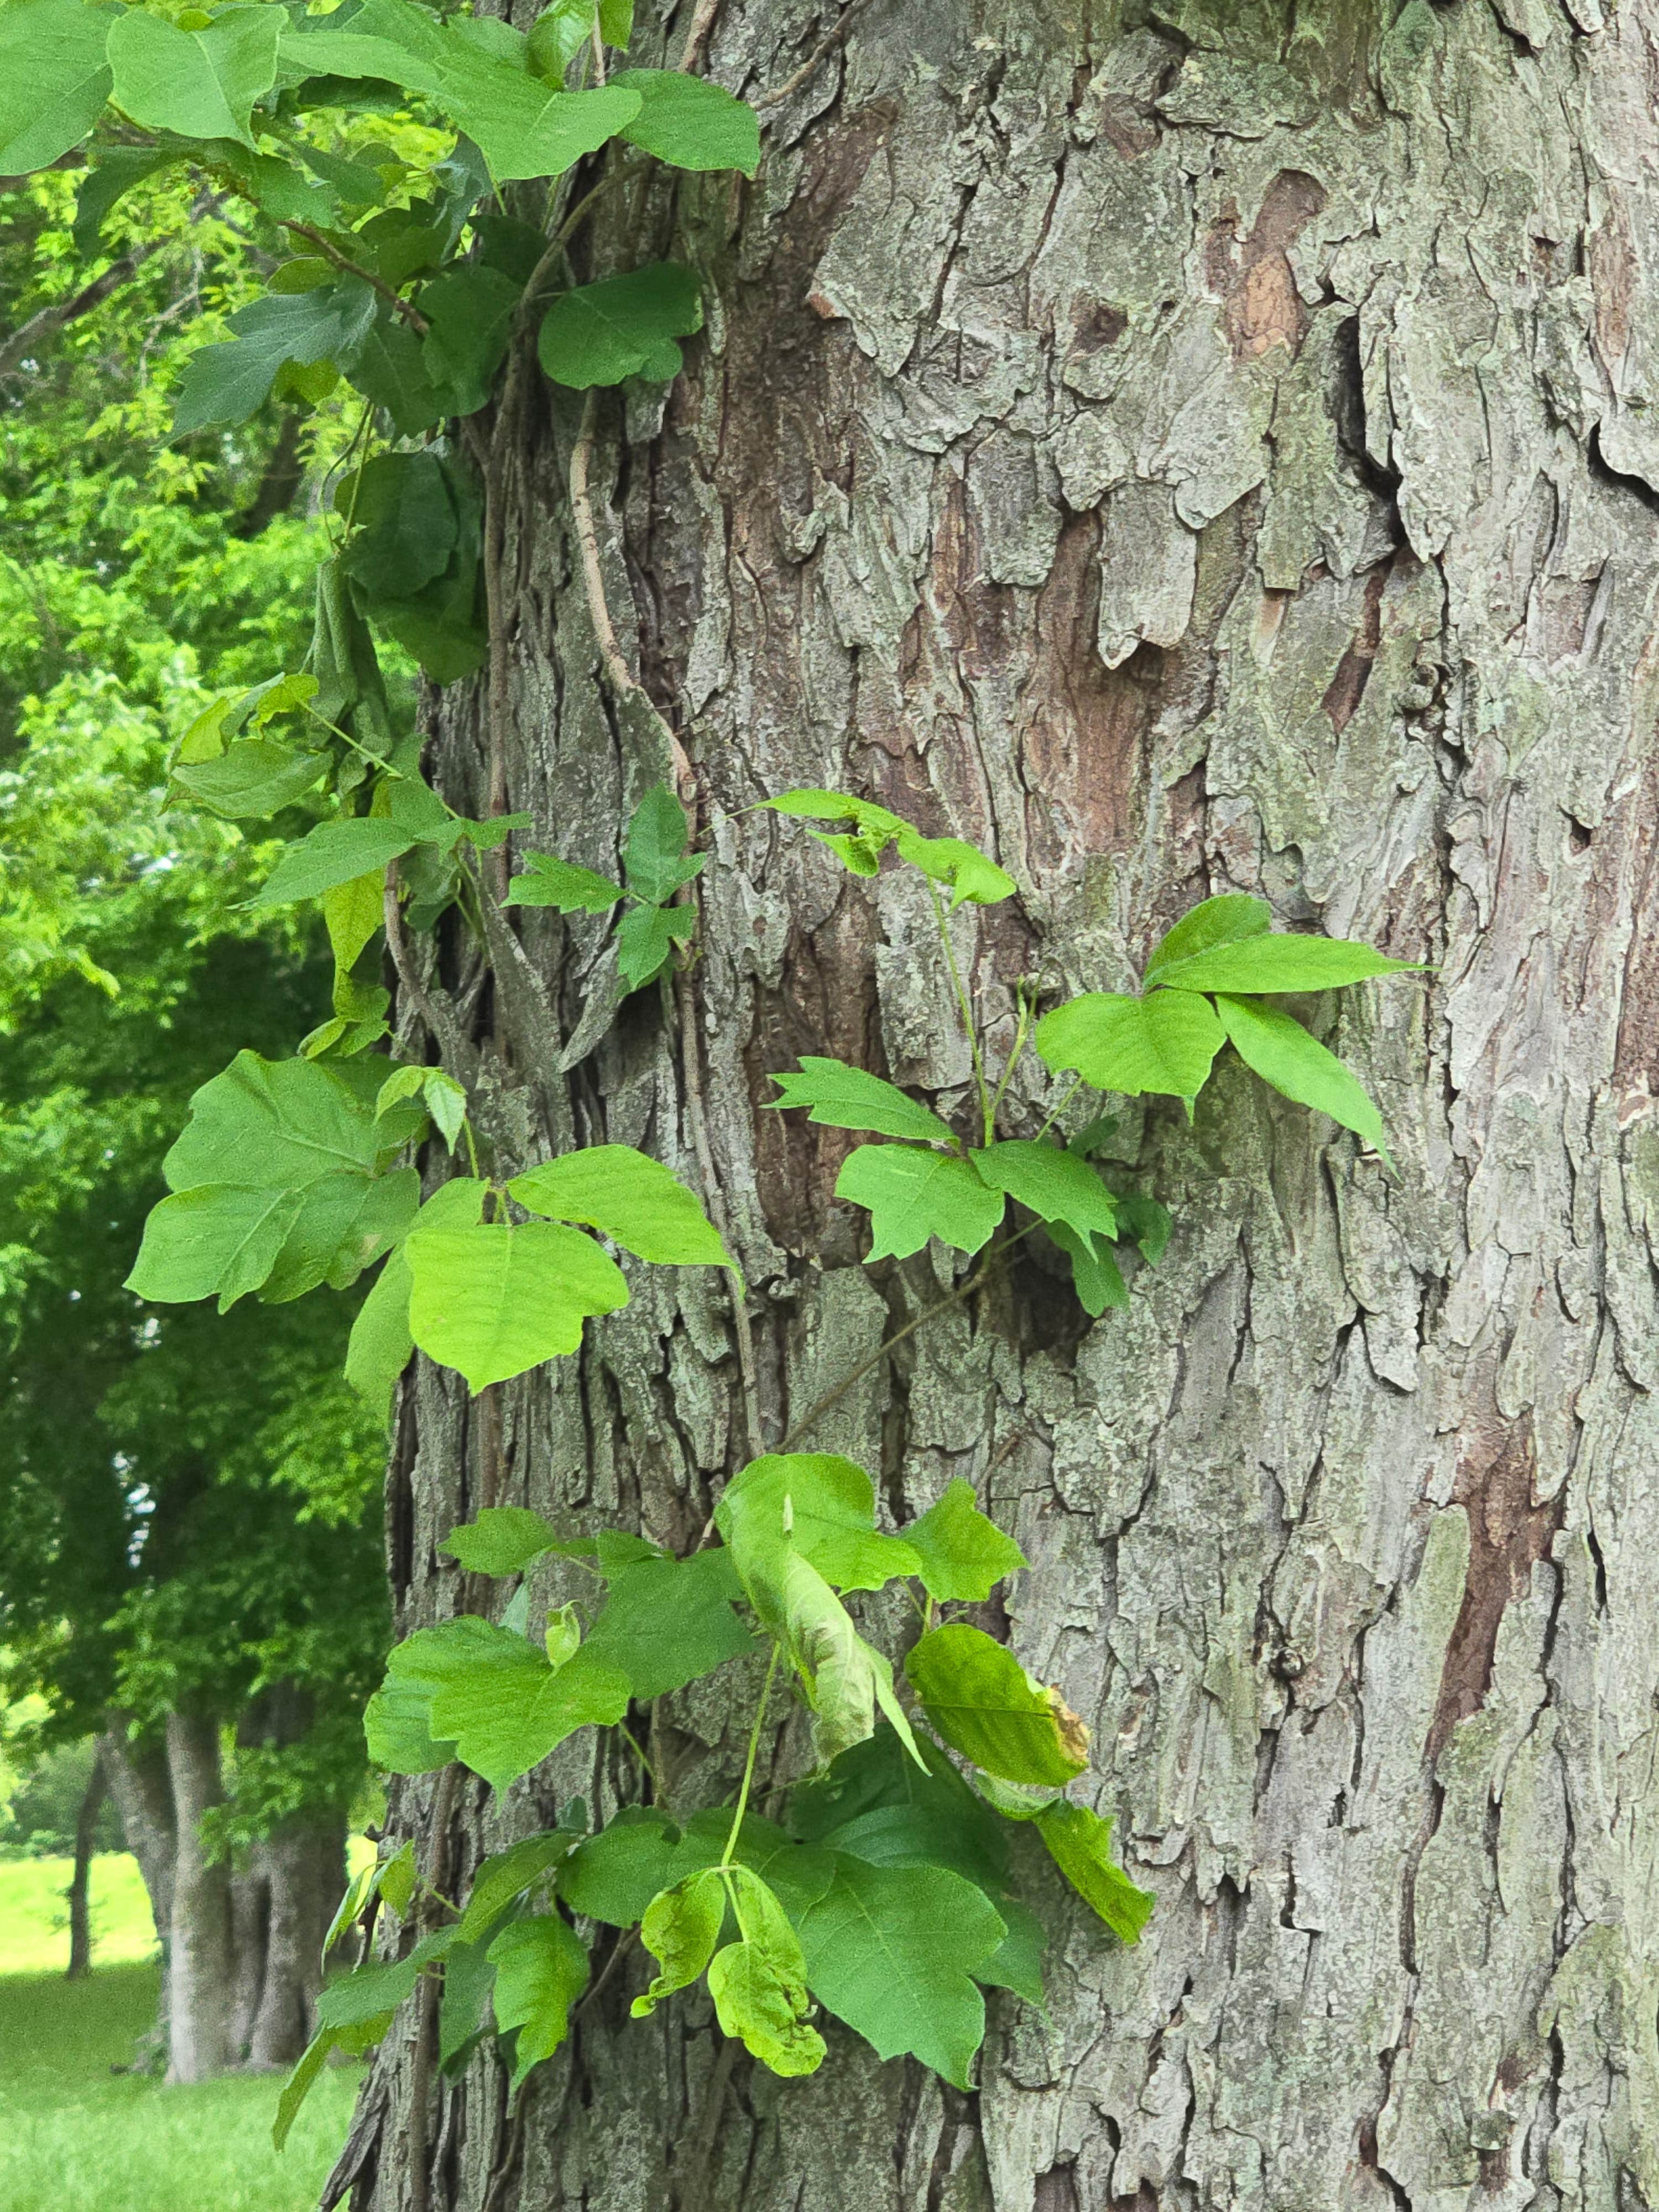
963,1007
749,1764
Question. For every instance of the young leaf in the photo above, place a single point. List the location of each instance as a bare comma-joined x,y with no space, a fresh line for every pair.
964,1554
252,779
1282,1054
1077,1840
199,84
1228,919
985,1704
668,1622
1015,1800
333,852
223,384
629,1196
680,1929
494,1300
817,805
557,36
547,882
972,878
1279,962
622,326
502,1541
759,1983
541,1969
645,936
844,1678
381,1345
1055,1184
54,81
352,913
843,1098
691,122
825,1507
892,1951
911,1195
1165,1043
506,1874
1095,1276
655,858
493,1696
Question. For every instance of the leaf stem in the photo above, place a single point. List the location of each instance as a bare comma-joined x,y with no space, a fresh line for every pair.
1058,1110
1023,1025
749,1764
963,1007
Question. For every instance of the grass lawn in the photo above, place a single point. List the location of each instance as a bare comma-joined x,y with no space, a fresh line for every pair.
74,2137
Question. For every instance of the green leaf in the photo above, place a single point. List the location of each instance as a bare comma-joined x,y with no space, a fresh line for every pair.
344,1223
1055,1184
1281,1052
541,1969
115,170
1165,1043
911,1195
1095,1276
223,384
1229,920
200,83
617,22
53,80
964,1554
506,1874
845,1679
680,1929
1279,962
278,1123
689,121
629,1196
645,936
985,1704
221,1237
1078,1843
655,859
388,367
403,526
397,1880
494,1300
381,1345
892,1951
557,36
493,1696
614,1876
395,1730
1146,1222
1016,1962
549,882
469,1983
309,2069
254,777
502,1541
817,805
470,314
668,1622
759,1983
825,1507
843,1098
622,326
1015,1800
525,128
878,1803
439,623
367,1993
952,860
333,852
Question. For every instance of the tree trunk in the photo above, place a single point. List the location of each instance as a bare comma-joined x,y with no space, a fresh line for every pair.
80,1899
142,1794
1212,454
201,1955
304,1869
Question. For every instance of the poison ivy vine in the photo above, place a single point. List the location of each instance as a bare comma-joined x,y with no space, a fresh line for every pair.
888,1892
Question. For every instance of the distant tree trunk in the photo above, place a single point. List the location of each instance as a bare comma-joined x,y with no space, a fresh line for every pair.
142,1794
1214,447
80,1902
250,1922
304,1867
201,1979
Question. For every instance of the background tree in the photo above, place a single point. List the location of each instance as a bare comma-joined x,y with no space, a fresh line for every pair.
189,1534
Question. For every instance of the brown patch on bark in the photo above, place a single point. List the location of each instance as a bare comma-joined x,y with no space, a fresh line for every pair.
1261,304
1354,671
1056,2191
1614,276
1086,725
1509,1531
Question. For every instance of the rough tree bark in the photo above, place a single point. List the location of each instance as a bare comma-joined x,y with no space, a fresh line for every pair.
1201,448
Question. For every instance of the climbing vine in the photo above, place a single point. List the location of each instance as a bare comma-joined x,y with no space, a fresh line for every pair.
888,1888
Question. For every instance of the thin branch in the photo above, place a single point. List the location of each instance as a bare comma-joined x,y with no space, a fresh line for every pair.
742,1328
825,46
622,676
701,24
433,1006
324,246
50,320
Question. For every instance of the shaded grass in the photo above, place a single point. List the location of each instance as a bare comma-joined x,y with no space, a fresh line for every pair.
74,2137
34,1917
